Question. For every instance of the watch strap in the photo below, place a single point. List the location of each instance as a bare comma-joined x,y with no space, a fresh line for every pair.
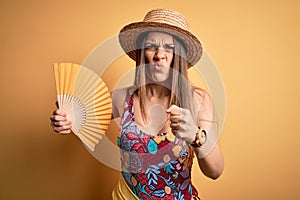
198,142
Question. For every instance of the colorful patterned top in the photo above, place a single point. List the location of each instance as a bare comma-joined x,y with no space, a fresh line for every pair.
154,167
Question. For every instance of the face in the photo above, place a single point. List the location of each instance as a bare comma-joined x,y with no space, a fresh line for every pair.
159,49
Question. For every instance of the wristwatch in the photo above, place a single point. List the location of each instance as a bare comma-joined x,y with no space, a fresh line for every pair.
200,138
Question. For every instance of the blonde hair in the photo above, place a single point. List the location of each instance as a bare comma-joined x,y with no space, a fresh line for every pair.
181,91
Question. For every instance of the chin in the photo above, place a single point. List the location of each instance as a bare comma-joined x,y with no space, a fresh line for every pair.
157,79
160,80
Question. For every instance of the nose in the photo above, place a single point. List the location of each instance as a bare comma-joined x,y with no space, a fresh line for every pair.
160,54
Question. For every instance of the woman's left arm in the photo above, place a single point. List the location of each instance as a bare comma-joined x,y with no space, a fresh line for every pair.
209,155
212,164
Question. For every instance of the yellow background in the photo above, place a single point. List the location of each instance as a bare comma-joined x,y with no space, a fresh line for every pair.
255,45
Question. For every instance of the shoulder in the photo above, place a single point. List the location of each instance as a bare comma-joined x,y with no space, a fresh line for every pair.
201,95
120,94
204,106
118,100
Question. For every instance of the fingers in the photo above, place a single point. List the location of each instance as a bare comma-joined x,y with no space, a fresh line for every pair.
58,118
65,131
175,121
175,127
62,129
60,123
174,110
59,112
175,118
181,122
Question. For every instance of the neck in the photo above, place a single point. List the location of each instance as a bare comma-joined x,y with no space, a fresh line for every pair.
156,90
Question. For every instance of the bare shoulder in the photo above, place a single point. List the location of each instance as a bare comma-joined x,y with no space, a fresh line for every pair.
201,95
121,93
118,100
205,107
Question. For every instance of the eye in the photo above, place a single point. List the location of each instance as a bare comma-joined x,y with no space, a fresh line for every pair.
149,46
170,47
154,47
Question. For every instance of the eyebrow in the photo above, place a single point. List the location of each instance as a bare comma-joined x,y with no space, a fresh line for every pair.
151,42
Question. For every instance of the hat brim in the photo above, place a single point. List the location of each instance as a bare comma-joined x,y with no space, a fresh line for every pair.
130,33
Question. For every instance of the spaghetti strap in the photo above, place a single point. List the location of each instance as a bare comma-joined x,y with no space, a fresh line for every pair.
127,93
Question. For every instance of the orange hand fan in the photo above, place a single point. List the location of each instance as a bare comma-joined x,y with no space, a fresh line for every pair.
84,97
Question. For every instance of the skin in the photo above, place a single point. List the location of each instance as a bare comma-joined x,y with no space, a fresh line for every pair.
59,122
159,55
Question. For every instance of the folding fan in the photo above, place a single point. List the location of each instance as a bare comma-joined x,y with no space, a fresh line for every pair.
84,97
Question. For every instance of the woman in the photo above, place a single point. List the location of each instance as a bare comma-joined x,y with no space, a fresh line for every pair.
157,148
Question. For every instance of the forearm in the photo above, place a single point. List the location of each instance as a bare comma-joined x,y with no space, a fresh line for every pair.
209,155
211,163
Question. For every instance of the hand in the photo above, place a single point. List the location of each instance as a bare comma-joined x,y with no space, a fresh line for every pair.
182,123
60,123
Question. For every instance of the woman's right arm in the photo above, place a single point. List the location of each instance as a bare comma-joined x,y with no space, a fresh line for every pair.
61,124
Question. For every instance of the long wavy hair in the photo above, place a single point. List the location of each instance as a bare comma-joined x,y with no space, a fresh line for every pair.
181,91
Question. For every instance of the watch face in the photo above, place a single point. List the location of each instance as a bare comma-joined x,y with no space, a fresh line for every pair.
202,137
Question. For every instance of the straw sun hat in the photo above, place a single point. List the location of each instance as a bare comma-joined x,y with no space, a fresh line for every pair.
163,20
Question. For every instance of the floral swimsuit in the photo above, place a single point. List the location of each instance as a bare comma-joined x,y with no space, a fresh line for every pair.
154,167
